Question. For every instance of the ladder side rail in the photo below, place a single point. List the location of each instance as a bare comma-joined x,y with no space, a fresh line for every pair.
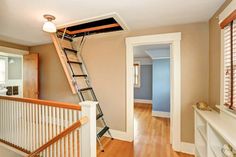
62,58
67,68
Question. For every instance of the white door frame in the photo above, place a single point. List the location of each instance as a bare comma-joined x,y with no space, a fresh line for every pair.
175,63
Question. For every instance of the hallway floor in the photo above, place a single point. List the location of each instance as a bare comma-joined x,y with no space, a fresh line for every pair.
152,136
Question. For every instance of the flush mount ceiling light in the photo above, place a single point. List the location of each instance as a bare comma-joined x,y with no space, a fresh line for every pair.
49,26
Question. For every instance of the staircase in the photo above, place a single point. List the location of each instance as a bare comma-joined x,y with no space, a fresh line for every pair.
77,75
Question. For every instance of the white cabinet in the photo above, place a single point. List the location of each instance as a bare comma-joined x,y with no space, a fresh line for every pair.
201,136
212,131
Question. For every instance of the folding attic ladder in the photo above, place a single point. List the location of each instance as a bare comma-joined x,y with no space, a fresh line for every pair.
81,81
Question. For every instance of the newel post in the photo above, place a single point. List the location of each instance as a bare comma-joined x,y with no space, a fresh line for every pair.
88,131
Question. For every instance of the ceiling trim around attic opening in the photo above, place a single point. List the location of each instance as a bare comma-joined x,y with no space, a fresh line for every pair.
102,24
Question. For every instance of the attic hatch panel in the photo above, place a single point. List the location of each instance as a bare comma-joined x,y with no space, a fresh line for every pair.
95,27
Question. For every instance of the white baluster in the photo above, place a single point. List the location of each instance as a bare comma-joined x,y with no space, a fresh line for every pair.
58,150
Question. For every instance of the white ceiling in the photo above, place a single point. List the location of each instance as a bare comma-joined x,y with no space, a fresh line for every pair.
147,51
21,20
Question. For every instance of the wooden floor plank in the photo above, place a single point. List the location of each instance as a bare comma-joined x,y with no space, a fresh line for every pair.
152,138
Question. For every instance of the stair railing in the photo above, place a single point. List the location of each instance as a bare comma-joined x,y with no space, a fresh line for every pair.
48,128
53,143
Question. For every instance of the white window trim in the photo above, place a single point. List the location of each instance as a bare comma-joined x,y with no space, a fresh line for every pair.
225,13
6,69
139,76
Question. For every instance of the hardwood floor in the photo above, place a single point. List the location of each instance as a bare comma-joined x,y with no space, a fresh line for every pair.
152,138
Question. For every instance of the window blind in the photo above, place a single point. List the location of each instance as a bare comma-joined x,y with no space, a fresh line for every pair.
230,65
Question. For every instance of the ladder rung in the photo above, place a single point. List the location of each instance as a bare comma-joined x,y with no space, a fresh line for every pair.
99,116
84,89
72,50
73,62
79,75
103,131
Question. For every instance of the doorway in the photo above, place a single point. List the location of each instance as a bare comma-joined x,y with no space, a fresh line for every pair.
173,39
19,75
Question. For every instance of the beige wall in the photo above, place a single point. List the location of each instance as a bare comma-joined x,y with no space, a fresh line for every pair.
214,59
53,83
105,59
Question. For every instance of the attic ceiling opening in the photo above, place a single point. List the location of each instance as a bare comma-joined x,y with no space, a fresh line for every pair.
92,27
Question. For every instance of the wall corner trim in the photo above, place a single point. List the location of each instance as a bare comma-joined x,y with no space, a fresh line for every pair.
188,148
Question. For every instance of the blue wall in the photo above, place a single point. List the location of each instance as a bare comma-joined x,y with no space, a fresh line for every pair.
161,85
145,91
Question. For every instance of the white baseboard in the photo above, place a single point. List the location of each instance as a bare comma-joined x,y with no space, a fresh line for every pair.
119,135
161,114
143,101
188,148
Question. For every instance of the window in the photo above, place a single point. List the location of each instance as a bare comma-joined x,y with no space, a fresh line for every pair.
2,70
230,65
137,75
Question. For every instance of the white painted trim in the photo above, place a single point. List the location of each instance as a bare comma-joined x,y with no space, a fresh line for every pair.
88,134
174,40
227,11
115,15
161,114
188,148
143,101
116,134
6,51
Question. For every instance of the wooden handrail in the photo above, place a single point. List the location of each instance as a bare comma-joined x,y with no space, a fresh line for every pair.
44,102
59,136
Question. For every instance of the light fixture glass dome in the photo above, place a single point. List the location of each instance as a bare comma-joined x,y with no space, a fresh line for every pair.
49,27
